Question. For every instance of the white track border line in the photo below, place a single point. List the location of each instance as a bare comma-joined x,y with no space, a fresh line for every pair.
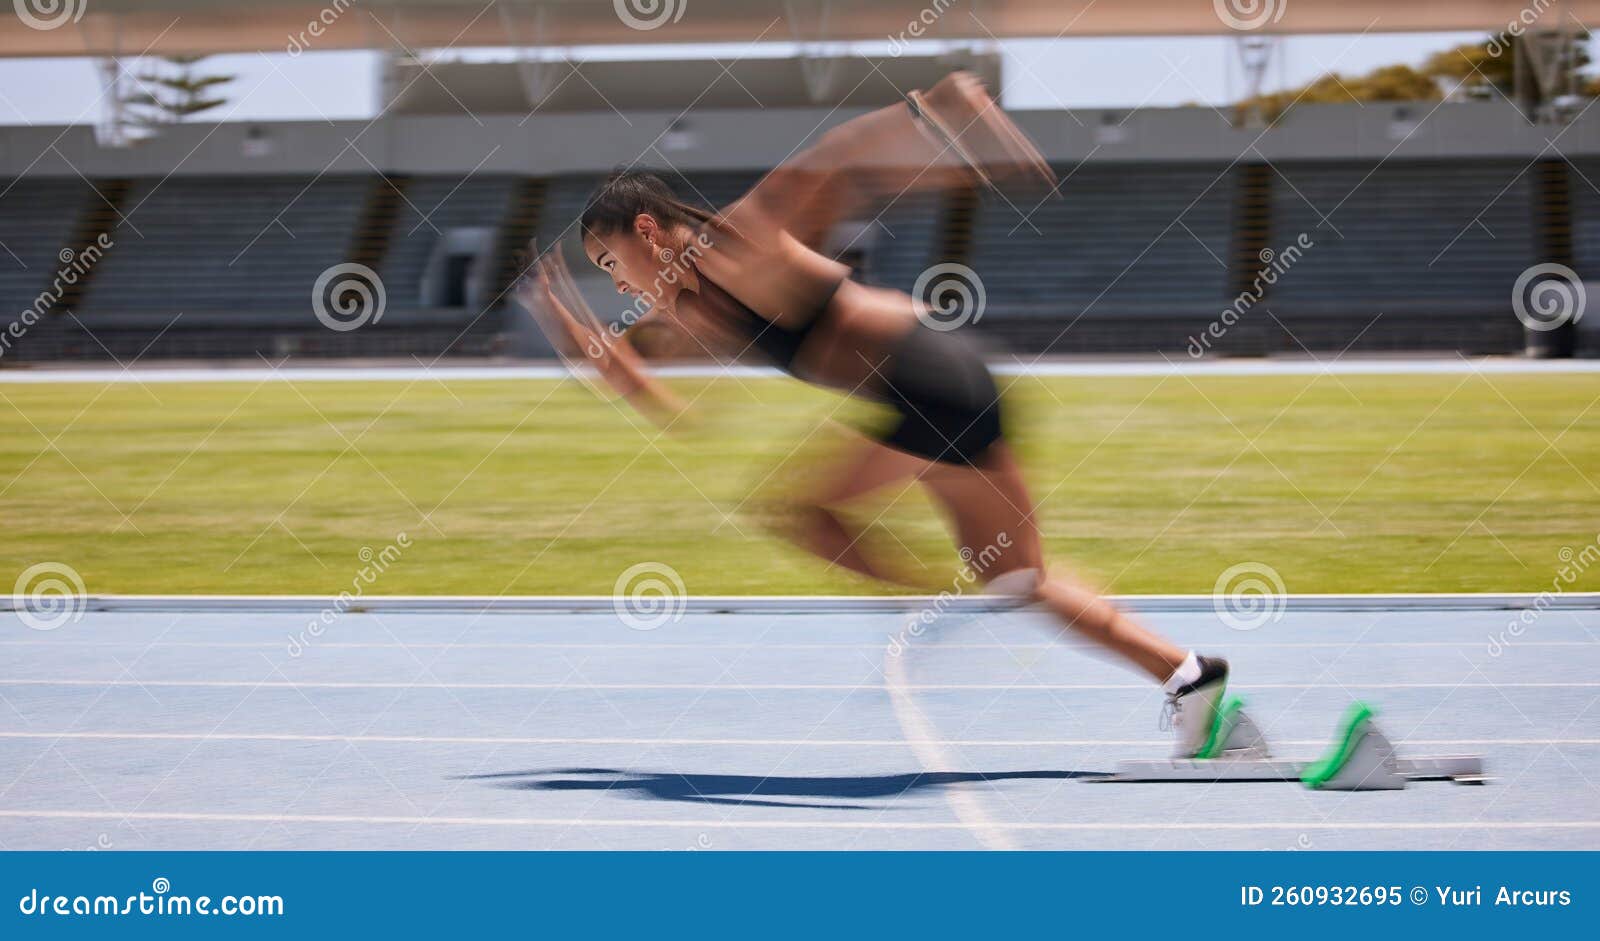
922,739
801,604
734,687
544,369
115,736
281,819
747,646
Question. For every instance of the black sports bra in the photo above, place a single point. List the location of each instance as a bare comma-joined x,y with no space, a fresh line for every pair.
778,343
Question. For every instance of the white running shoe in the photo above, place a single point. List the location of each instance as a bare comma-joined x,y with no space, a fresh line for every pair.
1192,711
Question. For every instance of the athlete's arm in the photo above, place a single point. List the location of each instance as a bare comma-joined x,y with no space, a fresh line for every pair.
611,355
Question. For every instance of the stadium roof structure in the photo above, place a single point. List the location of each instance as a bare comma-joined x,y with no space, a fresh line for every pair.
667,84
170,27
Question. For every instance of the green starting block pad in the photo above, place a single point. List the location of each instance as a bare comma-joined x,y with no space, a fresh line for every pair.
1361,759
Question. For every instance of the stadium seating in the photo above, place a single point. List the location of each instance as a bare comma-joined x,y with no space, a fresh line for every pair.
431,207
37,219
222,250
1133,257
1126,256
1585,189
1415,249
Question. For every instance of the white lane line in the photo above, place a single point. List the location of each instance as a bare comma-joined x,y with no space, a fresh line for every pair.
678,824
663,647
536,369
922,739
806,605
739,687
735,742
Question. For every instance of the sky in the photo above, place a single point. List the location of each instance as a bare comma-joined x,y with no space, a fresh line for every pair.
1038,74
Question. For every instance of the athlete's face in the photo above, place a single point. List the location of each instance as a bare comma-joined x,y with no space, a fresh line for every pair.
631,256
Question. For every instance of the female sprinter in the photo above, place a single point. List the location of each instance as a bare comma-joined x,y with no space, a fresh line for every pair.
750,278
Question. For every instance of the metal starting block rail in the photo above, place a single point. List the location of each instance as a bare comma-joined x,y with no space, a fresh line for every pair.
1362,759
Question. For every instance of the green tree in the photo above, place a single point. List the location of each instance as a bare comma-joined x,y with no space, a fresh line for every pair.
1492,64
1474,65
175,93
1489,64
1389,83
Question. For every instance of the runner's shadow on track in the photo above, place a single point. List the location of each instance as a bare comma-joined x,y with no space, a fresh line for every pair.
753,790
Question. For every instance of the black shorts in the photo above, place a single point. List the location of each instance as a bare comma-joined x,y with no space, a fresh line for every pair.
946,402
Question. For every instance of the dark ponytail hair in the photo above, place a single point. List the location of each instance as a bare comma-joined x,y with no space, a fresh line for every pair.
626,193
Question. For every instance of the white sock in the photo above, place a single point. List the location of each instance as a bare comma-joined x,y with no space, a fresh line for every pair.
1187,672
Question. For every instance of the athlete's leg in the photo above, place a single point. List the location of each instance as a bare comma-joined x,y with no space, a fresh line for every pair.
950,134
812,520
985,502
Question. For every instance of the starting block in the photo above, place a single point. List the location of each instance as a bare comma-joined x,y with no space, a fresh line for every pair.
1361,759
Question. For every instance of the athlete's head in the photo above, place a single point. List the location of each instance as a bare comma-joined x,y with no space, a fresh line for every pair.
634,228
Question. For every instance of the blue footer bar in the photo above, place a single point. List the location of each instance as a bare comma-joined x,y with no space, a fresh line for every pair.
755,895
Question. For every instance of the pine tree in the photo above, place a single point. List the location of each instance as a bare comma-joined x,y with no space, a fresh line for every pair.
176,93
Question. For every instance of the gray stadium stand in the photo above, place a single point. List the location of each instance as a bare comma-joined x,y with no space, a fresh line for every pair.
905,240
1129,257
1585,189
223,251
432,208
1133,257
37,218
1426,252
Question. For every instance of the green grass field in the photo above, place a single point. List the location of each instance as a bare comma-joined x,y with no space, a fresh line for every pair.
1342,484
